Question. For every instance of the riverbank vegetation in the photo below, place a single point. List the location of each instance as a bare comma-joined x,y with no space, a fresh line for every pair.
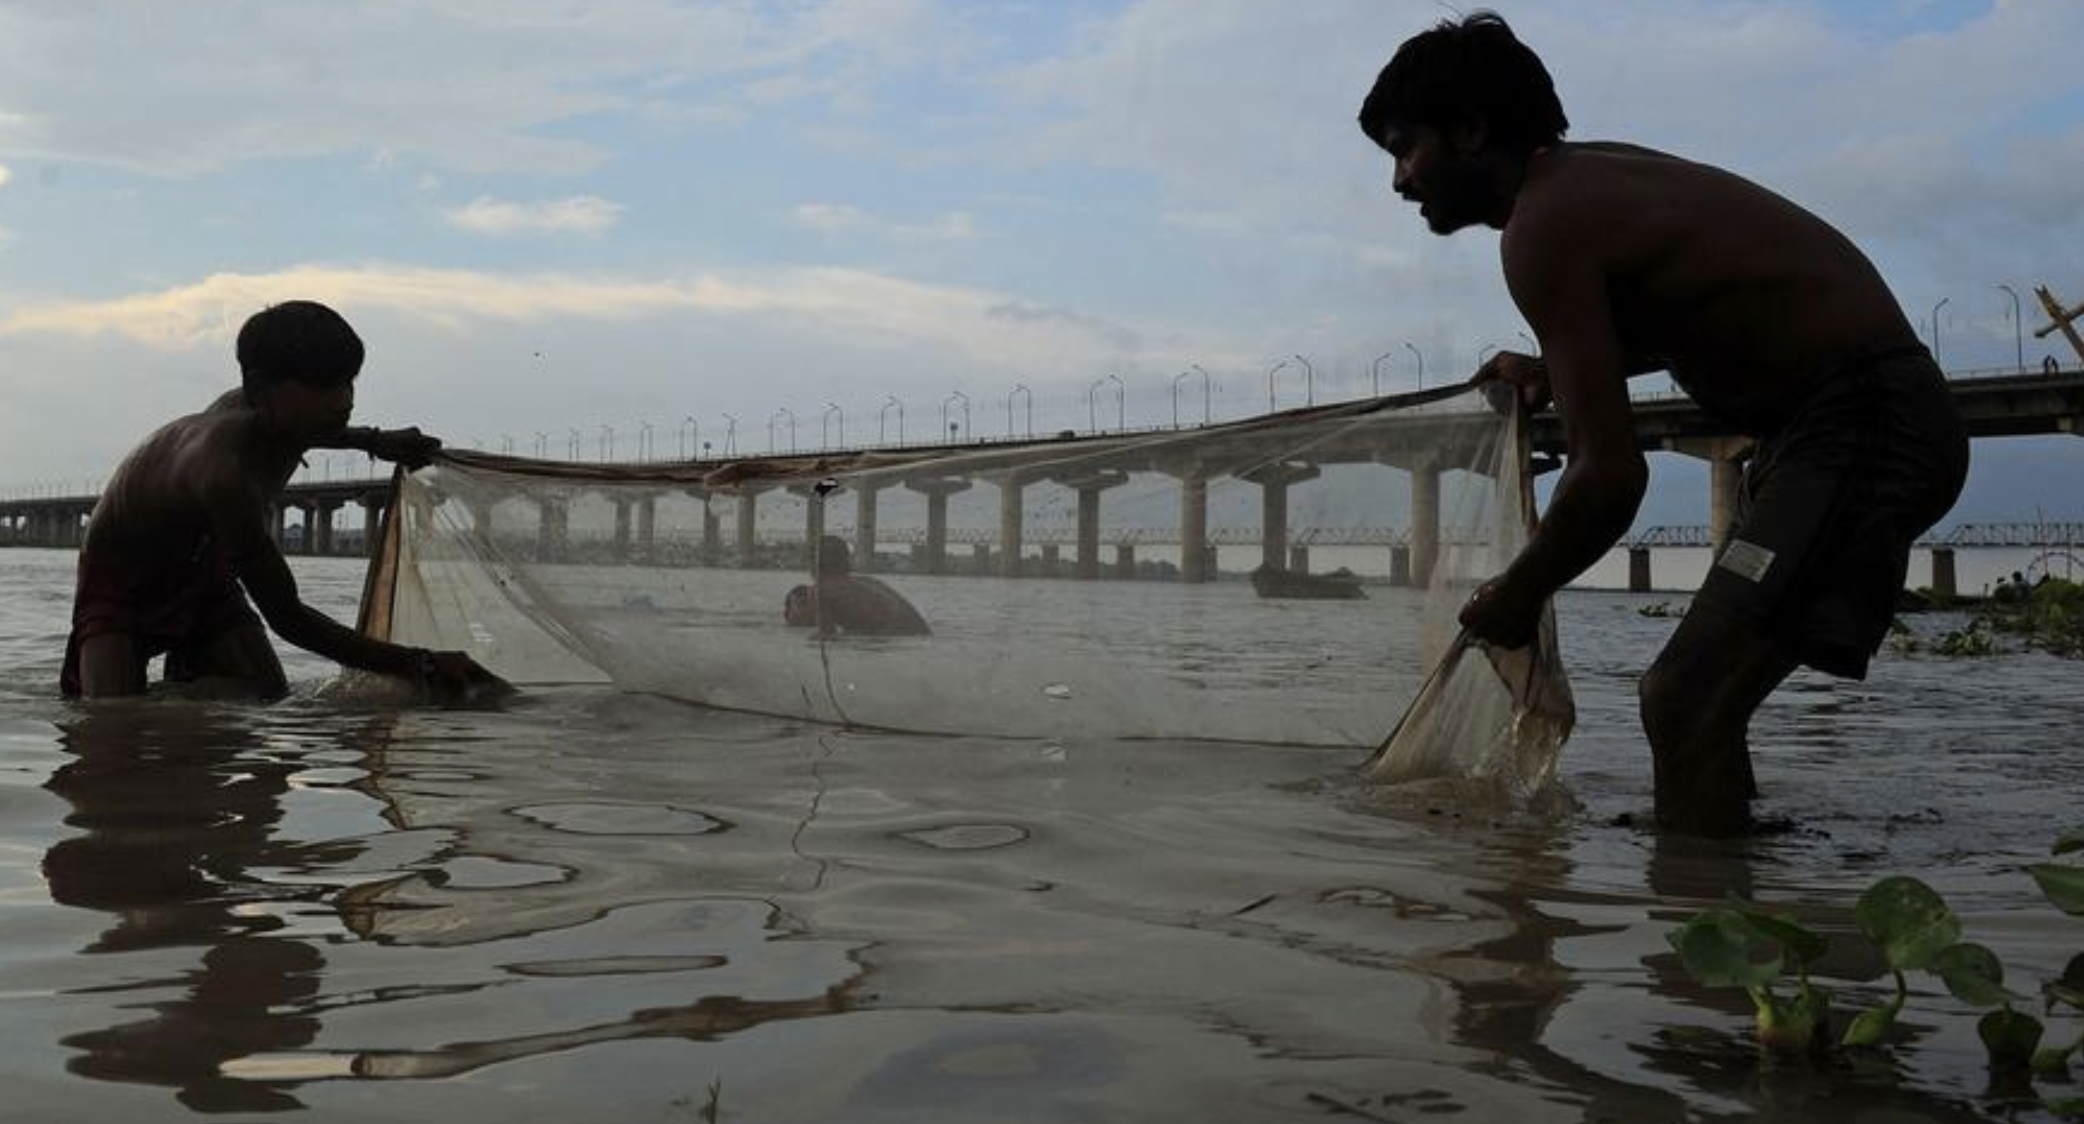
2048,616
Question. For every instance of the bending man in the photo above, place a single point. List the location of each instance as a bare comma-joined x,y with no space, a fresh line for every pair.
183,525
1624,261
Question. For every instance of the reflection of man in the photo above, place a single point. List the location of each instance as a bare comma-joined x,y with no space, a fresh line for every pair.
1627,261
840,602
177,817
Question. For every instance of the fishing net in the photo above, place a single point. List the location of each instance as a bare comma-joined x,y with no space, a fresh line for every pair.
1287,579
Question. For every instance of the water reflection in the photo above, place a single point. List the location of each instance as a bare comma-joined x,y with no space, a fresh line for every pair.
177,807
1581,997
286,911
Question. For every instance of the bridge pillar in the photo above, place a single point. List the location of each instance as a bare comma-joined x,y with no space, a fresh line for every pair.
813,520
1193,527
1299,559
1089,488
1012,487
1125,561
937,489
622,527
865,495
1274,481
980,558
1943,582
1425,523
278,518
1050,559
1638,569
1725,457
647,526
1400,565
553,529
712,532
373,509
322,526
748,527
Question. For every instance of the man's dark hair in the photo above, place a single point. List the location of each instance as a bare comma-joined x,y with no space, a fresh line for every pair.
298,340
1463,71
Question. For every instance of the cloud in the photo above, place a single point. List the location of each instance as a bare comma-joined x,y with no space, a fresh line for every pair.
844,303
827,216
461,84
832,218
580,214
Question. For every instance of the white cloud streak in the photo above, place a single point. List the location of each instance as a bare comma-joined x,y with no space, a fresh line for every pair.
580,214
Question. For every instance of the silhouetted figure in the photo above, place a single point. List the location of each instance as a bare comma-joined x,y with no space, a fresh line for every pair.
180,537
840,602
1626,261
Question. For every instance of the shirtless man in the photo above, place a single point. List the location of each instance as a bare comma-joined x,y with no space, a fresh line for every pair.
1626,261
183,525
840,602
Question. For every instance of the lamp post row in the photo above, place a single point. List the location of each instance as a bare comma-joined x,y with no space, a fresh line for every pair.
955,415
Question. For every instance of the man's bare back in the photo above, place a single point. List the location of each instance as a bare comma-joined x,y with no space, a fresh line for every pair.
1742,295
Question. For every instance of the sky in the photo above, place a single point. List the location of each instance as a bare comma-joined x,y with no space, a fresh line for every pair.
652,225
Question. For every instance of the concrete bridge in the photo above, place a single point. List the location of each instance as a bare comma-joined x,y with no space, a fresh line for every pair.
1422,444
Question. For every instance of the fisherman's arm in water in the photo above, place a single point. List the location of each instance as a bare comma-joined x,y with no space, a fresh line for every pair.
237,517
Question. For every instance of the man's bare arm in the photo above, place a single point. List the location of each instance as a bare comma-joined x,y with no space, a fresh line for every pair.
407,446
1558,282
238,522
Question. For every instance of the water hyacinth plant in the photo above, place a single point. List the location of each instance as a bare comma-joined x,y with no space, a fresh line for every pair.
1910,925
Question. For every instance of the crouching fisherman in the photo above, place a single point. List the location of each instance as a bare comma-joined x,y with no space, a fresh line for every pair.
183,524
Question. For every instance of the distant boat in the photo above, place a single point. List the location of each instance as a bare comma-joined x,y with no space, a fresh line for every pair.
1341,584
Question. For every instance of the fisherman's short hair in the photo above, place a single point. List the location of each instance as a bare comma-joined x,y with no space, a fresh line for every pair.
1464,71
301,341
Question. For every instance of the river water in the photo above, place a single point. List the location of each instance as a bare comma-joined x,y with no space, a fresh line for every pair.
593,906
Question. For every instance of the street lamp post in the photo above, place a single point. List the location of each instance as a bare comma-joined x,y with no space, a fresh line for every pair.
1309,382
956,396
542,445
690,437
884,413
1092,408
1420,355
2018,327
1192,370
644,445
1121,397
784,412
574,446
832,408
1019,389
1270,373
1375,371
607,443
730,435
1943,301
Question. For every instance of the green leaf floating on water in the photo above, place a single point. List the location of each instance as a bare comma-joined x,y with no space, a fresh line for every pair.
1804,945
2071,840
1907,920
1721,948
2069,988
1973,974
2010,1036
2064,885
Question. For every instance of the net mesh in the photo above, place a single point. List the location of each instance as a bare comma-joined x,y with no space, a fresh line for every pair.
1288,579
